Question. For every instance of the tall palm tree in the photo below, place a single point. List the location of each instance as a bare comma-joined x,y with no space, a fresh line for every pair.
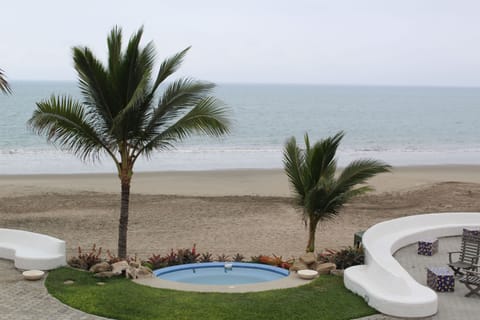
122,116
4,86
311,172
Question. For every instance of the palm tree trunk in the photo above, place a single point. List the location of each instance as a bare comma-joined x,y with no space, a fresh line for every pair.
312,228
123,225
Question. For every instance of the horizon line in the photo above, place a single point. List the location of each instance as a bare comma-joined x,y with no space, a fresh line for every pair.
295,84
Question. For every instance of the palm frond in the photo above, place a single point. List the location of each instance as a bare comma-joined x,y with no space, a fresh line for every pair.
4,85
293,162
320,160
323,201
114,43
352,193
169,66
208,117
95,86
64,122
130,77
306,139
335,200
323,156
178,98
137,65
181,94
315,200
134,103
133,113
359,171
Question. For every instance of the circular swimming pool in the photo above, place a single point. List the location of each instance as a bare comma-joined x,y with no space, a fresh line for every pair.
221,273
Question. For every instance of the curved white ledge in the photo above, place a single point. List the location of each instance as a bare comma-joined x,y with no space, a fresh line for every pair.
31,250
382,281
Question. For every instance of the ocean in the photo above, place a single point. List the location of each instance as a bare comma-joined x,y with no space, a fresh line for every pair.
400,125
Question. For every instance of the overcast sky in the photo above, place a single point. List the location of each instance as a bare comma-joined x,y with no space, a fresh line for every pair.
367,42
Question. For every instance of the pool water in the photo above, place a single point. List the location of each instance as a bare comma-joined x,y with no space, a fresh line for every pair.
220,273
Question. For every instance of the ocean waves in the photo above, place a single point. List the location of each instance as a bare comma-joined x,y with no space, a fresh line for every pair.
52,161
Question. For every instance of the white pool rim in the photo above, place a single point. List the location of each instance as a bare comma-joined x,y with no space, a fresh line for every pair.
228,265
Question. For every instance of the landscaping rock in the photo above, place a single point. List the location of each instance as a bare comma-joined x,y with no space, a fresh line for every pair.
298,265
337,272
325,268
139,272
105,274
119,267
74,262
308,258
101,267
144,272
68,282
313,266
131,272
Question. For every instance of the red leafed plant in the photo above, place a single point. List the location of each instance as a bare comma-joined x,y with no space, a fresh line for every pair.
206,257
112,258
276,261
344,258
156,261
328,255
187,255
85,260
223,258
238,257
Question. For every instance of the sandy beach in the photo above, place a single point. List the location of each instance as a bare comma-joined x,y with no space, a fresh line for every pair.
245,211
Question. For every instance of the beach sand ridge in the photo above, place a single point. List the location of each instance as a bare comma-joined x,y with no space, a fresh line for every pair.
250,225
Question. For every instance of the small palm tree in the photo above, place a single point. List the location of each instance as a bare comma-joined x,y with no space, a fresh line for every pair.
118,115
4,86
318,191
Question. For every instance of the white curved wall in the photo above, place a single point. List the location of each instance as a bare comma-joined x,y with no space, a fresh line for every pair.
32,250
382,281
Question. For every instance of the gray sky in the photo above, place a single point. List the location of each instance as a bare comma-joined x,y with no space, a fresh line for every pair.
402,42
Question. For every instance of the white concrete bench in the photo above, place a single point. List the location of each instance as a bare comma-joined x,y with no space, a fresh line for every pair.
31,250
382,281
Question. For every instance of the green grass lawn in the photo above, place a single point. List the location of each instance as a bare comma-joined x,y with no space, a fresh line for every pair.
324,298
